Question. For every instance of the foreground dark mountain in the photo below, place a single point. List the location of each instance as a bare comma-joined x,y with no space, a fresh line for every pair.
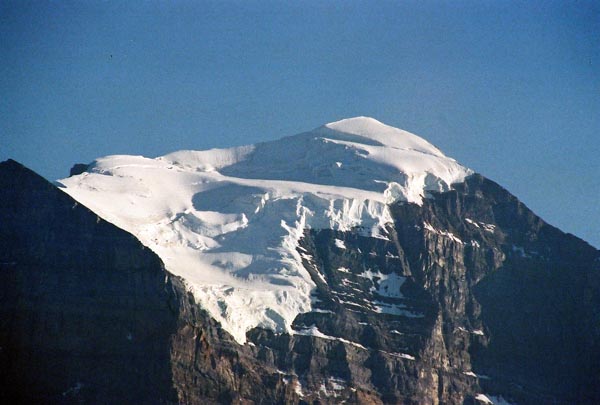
85,308
473,294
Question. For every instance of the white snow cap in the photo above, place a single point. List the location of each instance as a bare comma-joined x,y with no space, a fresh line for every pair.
229,220
370,128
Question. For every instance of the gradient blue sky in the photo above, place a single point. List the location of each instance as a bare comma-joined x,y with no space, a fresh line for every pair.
508,88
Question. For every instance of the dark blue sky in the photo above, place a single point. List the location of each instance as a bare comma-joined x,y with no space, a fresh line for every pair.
510,89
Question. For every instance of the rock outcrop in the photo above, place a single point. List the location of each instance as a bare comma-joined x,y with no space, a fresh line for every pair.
471,295
78,168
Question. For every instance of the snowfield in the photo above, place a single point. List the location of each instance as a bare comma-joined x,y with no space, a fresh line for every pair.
229,220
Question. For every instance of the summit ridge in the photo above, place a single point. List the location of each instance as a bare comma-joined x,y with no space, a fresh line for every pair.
375,130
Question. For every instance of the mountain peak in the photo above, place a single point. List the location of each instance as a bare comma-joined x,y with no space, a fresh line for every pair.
358,120
383,134
360,123
229,221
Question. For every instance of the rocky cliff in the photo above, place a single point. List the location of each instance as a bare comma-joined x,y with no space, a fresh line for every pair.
472,294
86,314
470,297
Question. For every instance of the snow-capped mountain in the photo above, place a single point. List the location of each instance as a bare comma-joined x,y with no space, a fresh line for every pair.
229,221
354,263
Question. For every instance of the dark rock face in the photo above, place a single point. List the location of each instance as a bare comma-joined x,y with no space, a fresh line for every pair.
84,309
470,293
530,288
78,168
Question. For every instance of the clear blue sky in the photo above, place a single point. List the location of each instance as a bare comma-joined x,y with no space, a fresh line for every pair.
508,88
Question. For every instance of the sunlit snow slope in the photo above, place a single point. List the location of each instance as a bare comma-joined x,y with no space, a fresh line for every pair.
228,220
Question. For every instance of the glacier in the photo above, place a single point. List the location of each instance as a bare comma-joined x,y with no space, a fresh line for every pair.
229,221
